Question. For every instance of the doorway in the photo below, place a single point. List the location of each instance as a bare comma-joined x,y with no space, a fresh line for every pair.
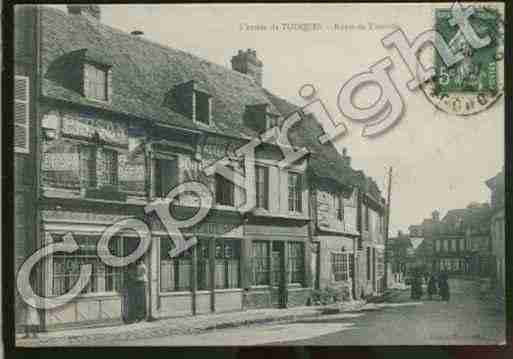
133,296
278,275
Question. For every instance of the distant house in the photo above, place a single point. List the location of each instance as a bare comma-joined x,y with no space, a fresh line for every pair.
497,228
459,243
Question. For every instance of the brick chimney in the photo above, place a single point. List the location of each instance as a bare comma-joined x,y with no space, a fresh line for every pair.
435,215
247,63
89,11
346,158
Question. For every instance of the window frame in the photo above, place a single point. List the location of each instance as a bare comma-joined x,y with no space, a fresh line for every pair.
264,261
26,125
224,195
81,257
261,170
338,205
295,192
111,168
196,107
92,82
296,262
340,266
224,260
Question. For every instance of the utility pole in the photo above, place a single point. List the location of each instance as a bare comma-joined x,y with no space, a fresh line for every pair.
387,224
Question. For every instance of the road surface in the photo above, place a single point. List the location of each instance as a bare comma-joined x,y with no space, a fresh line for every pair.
467,319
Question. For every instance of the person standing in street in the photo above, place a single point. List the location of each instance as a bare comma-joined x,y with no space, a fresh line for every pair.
31,318
443,285
416,286
141,282
432,286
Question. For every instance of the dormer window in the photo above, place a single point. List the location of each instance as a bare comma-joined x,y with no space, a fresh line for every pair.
202,107
96,82
259,118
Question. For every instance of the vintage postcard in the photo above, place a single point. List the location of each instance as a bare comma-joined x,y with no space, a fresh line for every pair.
248,174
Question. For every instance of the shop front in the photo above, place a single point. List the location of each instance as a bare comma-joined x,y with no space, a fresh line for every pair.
337,264
102,299
276,262
205,278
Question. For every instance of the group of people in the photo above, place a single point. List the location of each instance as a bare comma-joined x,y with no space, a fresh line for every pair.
437,284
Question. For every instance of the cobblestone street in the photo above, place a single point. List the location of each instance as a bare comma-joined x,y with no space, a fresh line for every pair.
466,319
469,318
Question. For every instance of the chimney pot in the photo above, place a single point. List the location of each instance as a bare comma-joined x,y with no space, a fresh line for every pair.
247,63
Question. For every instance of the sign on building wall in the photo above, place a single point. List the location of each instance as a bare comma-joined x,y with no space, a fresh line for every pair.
86,124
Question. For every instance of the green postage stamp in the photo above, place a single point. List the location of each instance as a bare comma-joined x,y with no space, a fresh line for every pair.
472,84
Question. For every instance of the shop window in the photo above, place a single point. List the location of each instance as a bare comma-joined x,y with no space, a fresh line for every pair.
66,267
295,192
261,264
224,191
203,268
340,266
175,273
295,262
262,187
227,257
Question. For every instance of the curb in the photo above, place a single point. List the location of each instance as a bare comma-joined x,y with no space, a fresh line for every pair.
100,339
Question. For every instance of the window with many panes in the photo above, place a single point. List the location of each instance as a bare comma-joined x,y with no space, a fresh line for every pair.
176,272
111,167
295,262
96,82
66,266
224,191
261,264
227,257
295,192
262,187
340,266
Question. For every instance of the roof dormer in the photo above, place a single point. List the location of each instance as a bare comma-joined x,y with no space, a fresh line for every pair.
260,118
86,71
192,100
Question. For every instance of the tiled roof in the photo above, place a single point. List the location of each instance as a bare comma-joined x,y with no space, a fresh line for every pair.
325,160
143,74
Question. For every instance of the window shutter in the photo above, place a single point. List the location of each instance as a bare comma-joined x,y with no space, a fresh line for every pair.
21,114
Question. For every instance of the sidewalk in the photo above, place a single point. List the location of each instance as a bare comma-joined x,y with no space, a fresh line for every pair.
175,326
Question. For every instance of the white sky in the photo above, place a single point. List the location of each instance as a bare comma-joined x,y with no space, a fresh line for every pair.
440,161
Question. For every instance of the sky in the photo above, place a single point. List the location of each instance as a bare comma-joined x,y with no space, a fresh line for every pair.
439,161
